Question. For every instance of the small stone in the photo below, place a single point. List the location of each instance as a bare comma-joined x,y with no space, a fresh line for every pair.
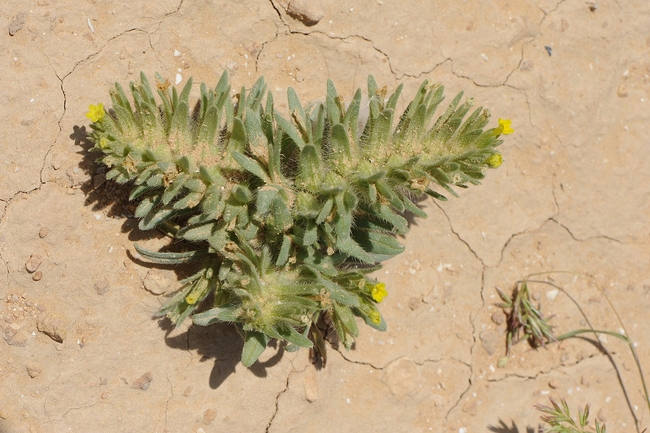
43,232
33,263
489,341
209,416
33,369
101,286
3,414
51,326
157,282
98,180
309,12
593,6
554,383
17,23
622,91
143,381
498,318
414,303
105,395
38,275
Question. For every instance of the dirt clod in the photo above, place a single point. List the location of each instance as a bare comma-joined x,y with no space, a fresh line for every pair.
33,263
51,326
309,12
17,23
143,381
43,232
157,282
101,286
33,369
208,416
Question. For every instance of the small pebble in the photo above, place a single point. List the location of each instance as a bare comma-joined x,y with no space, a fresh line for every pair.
51,326
33,369
17,23
105,395
43,232
309,12
33,263
101,286
143,381
209,416
498,318
489,341
38,275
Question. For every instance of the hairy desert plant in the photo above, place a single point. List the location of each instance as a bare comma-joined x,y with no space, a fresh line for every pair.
287,215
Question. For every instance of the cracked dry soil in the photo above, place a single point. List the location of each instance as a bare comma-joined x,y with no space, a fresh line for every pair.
79,351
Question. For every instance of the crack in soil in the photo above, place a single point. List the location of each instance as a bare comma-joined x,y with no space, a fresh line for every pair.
277,397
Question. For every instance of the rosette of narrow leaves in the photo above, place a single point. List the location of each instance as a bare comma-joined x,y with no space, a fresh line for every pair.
286,215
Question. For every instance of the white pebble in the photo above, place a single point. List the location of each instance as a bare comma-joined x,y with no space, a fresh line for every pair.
179,78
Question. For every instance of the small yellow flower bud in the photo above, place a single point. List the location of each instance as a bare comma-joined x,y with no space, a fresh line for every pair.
375,317
494,161
96,112
379,292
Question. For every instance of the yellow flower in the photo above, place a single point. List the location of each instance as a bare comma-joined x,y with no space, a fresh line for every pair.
375,317
96,112
494,161
504,127
379,292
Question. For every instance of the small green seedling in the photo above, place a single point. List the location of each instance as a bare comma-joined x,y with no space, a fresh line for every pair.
286,215
559,418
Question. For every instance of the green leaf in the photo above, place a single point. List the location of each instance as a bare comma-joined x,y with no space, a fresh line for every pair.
290,130
285,249
345,316
380,245
227,313
254,345
348,246
251,166
170,258
293,336
311,233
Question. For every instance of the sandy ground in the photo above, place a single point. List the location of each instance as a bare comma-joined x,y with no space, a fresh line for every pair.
572,194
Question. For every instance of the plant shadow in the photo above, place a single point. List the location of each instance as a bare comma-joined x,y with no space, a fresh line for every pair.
502,427
221,344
